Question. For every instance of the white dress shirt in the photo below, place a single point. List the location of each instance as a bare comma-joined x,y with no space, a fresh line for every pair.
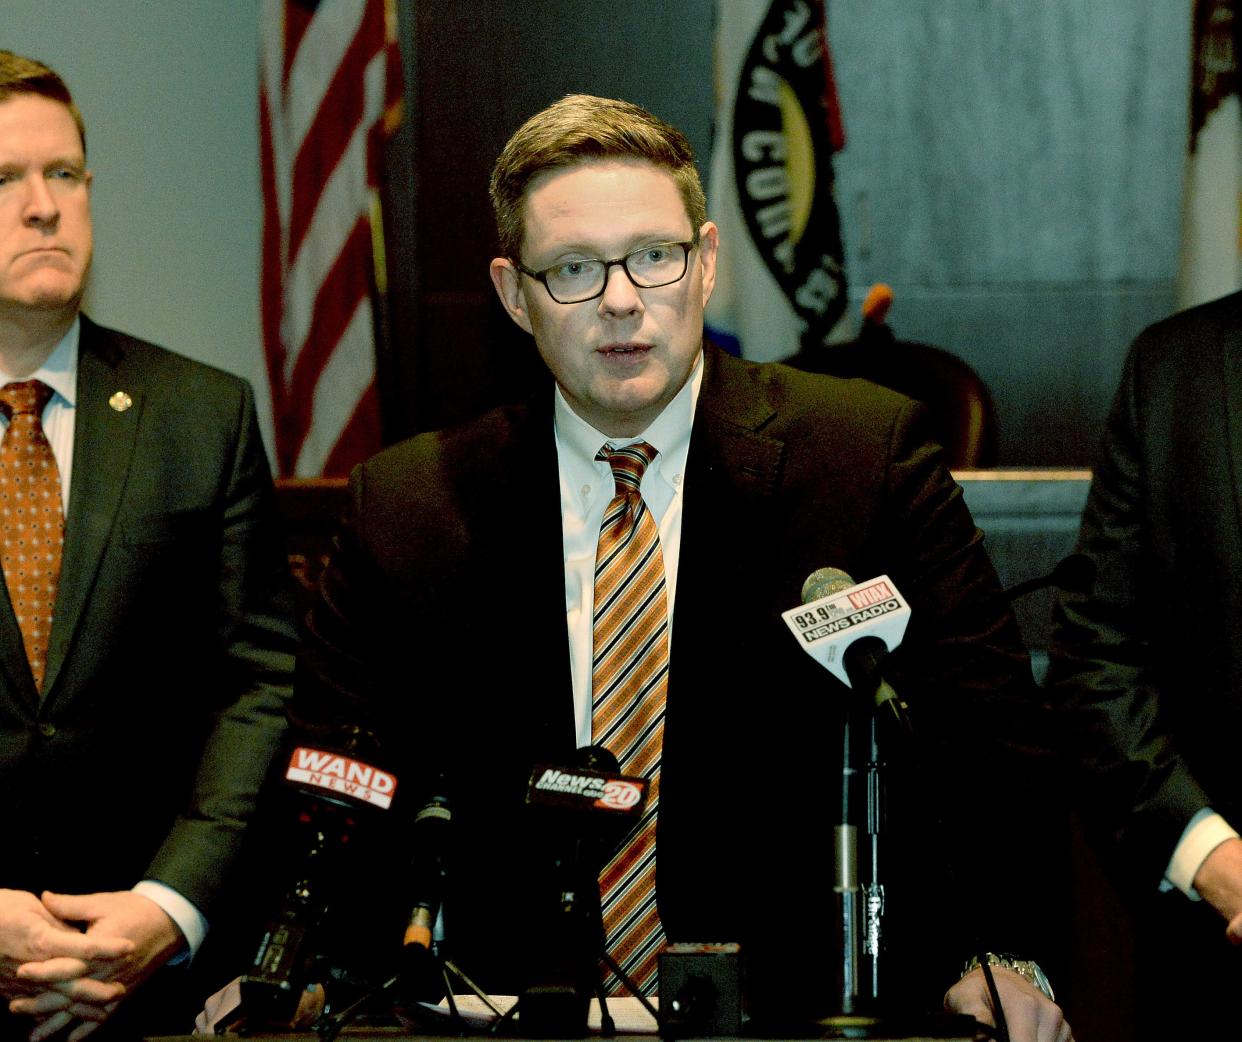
1204,833
587,487
60,373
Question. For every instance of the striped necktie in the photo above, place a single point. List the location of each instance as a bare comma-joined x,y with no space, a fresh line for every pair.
629,681
31,518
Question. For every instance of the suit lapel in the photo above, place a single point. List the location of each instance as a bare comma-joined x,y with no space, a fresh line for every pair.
732,473
1231,358
102,448
526,528
733,469
13,664
732,410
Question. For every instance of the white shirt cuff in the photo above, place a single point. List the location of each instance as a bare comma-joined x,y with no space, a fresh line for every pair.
1204,833
190,921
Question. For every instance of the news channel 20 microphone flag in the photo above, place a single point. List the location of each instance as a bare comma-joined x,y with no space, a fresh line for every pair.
780,276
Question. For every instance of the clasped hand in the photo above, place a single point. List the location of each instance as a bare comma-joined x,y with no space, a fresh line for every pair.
1031,1015
70,959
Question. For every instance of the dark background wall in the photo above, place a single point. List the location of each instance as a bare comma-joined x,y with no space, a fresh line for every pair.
1013,170
475,71
168,92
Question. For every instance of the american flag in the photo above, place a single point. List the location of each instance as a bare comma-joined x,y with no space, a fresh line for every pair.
329,97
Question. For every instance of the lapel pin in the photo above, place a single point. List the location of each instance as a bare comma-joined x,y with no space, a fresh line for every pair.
120,401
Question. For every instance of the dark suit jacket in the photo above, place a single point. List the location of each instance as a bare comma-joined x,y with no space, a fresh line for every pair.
1149,663
442,625
1146,668
172,645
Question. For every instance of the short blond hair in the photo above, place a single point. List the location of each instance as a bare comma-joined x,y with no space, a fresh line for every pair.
20,75
577,129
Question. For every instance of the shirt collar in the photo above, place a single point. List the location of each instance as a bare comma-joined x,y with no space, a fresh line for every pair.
669,433
60,371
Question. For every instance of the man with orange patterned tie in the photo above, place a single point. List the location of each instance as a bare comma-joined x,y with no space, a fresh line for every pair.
145,636
607,564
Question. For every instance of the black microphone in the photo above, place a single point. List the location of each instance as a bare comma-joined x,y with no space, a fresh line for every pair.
1073,574
428,871
586,809
592,791
590,806
331,790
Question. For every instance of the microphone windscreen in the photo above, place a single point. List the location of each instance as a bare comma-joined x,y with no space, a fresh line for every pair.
823,582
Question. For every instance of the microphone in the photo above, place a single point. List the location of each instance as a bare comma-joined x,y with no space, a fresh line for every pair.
824,582
332,789
421,977
1073,574
593,789
849,628
427,870
586,808
592,807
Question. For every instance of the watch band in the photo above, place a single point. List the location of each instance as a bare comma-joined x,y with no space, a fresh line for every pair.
1027,969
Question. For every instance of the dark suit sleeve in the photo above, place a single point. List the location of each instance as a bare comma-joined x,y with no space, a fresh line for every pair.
256,641
963,654
1137,789
336,686
982,810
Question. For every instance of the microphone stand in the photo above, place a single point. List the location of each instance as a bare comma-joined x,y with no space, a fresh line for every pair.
559,1008
863,989
845,876
424,958
873,889
860,902
331,1026
859,889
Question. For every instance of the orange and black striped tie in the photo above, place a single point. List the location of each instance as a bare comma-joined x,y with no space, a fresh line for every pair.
629,681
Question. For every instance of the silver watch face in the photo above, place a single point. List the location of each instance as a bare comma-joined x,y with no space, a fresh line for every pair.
1031,972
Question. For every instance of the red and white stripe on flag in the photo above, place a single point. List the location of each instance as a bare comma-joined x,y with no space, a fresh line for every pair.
329,97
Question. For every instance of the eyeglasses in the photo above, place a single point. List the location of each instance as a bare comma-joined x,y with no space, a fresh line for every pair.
573,281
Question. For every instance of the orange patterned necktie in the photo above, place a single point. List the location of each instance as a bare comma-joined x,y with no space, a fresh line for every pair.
31,518
629,681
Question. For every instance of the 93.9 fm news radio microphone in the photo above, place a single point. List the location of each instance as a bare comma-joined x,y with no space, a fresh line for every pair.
849,628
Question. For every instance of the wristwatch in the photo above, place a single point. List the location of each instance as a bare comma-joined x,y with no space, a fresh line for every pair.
1027,969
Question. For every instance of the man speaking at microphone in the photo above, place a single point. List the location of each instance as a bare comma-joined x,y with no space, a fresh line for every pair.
607,564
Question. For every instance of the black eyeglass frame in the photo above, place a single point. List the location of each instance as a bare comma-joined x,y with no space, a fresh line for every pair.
542,276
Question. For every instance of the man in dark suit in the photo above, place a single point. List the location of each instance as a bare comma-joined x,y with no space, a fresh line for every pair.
461,615
1147,665
146,650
